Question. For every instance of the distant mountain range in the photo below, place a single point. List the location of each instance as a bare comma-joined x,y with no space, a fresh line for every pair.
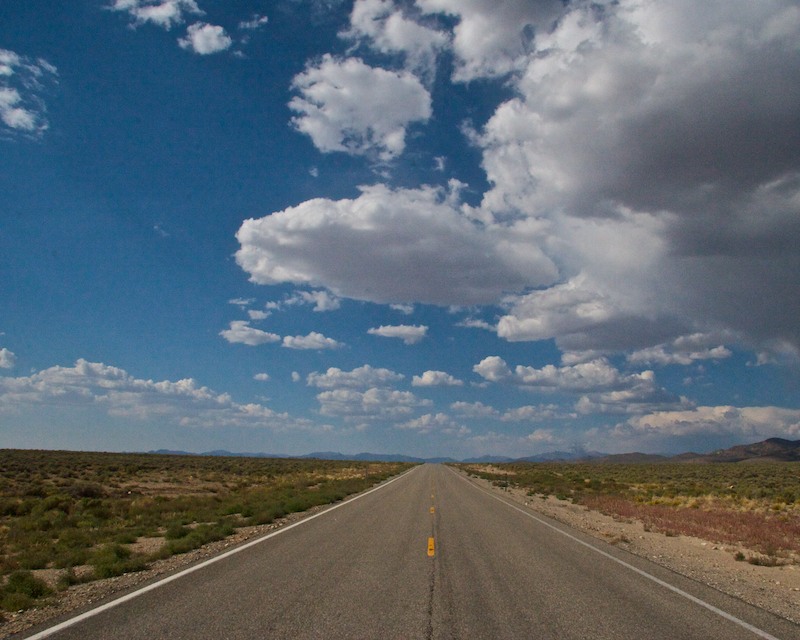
770,450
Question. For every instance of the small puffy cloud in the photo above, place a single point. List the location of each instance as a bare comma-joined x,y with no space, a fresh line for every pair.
476,323
256,314
409,334
119,394
322,300
255,23
313,341
640,395
164,13
406,309
530,413
22,81
348,106
474,410
435,422
527,413
241,332
261,377
436,379
543,436
242,302
493,369
684,350
365,376
374,403
594,375
402,246
205,39
7,359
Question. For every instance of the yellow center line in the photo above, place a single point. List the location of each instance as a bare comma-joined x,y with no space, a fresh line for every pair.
431,547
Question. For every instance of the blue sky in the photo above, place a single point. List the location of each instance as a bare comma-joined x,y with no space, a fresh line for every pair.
431,227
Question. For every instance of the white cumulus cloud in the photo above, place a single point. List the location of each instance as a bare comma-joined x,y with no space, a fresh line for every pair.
7,359
684,350
493,38
23,80
365,376
385,28
435,422
205,39
372,404
436,379
401,246
409,334
660,142
164,13
312,341
241,332
348,106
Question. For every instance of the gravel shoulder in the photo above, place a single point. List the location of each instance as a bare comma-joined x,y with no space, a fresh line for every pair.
775,589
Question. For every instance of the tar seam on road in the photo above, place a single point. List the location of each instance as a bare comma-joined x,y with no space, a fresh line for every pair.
666,585
135,594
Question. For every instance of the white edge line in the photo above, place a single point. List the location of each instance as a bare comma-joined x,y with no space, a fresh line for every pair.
155,585
666,585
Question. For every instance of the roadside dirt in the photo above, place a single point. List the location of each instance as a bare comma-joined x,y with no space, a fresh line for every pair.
775,589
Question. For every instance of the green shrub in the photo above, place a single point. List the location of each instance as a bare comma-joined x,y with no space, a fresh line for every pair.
22,590
114,560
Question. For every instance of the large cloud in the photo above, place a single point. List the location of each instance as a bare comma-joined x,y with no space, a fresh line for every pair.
390,246
346,105
662,140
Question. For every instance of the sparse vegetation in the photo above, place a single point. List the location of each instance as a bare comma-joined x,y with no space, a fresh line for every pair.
83,513
753,506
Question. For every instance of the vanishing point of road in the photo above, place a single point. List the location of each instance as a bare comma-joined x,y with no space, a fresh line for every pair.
428,555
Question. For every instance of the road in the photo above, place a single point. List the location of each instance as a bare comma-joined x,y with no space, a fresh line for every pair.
429,555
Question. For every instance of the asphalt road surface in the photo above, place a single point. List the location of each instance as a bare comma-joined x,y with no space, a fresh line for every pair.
428,555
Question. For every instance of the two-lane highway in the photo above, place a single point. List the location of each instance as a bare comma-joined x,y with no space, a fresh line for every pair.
429,555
